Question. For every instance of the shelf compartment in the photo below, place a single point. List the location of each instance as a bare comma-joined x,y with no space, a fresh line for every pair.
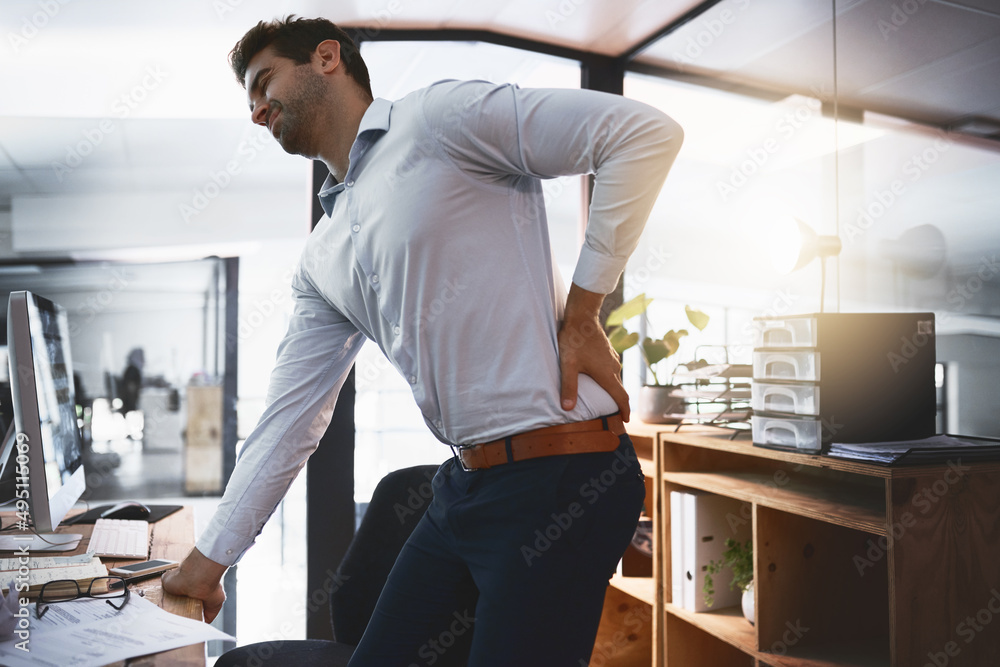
641,588
625,635
728,625
832,501
834,654
811,594
693,640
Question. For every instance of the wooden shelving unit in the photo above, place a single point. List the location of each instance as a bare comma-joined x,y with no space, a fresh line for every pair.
856,565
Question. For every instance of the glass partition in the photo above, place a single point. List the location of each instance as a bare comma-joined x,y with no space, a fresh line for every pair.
842,115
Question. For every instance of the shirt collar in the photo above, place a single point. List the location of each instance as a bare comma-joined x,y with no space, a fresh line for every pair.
374,123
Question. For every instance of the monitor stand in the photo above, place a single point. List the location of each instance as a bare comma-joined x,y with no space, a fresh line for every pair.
31,542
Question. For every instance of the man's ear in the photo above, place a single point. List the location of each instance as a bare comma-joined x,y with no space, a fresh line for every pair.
327,55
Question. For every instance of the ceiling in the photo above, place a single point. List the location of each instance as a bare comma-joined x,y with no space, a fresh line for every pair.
931,61
121,125
144,87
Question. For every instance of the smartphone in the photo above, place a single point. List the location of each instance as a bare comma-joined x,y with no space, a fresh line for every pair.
147,568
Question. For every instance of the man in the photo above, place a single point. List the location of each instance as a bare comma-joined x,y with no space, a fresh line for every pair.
439,195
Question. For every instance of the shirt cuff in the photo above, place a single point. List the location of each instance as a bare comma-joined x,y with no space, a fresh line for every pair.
598,272
222,545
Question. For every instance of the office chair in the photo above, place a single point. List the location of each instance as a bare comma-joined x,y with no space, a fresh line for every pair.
397,504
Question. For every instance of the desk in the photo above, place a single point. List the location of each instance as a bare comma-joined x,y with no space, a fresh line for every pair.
170,538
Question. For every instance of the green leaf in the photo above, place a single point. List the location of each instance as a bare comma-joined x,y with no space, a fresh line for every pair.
622,340
697,318
672,340
655,350
628,310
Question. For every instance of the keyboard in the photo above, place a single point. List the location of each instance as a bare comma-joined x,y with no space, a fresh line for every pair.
120,538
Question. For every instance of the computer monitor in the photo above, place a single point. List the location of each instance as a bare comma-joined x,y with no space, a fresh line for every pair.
41,378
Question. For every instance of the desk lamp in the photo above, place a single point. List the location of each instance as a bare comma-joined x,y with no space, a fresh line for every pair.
794,244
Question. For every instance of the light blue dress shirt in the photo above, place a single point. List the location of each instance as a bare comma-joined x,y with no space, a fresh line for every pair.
436,247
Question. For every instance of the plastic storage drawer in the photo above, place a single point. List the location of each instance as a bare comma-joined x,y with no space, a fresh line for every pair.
785,365
796,399
789,332
801,434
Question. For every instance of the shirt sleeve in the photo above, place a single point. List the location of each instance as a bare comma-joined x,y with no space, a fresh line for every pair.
313,361
498,131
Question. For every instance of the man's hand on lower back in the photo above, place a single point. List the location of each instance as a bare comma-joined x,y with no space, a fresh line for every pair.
198,577
584,348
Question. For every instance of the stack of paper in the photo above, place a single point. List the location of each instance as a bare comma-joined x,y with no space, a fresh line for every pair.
89,633
938,448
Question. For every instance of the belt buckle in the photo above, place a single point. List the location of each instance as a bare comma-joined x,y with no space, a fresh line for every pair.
458,448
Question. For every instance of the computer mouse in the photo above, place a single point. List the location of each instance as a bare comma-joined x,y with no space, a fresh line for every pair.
129,509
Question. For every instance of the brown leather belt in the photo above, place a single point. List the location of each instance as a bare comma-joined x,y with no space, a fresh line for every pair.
595,435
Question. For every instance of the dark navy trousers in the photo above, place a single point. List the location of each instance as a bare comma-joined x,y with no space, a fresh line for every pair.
510,564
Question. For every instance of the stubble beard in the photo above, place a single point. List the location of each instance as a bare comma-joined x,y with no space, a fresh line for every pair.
299,113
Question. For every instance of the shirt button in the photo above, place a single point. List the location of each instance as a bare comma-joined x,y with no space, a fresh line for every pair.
413,379
356,228
229,551
350,184
397,330
375,278
438,424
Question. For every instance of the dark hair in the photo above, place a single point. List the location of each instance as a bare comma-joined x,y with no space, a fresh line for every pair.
297,39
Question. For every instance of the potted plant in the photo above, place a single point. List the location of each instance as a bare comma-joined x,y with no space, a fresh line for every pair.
738,557
657,403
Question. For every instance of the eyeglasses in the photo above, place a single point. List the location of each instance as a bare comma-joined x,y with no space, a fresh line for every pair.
65,590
